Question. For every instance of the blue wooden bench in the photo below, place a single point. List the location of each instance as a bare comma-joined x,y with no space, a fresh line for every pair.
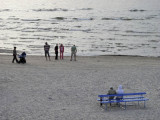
127,97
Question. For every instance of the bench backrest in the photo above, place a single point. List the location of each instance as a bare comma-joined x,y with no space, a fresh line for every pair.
124,94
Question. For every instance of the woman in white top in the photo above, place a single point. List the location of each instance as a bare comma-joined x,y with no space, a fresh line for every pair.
119,91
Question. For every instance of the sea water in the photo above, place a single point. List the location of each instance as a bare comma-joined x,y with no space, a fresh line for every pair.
96,27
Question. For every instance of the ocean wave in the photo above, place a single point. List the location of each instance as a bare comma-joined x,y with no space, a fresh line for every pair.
35,46
13,38
109,19
114,30
59,18
111,38
30,20
13,18
154,41
44,29
123,18
86,9
131,31
2,26
36,29
78,26
150,17
136,10
25,41
5,51
81,19
133,35
59,9
4,10
50,10
25,38
157,35
87,30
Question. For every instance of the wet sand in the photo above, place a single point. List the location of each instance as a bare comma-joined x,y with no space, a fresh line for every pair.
68,90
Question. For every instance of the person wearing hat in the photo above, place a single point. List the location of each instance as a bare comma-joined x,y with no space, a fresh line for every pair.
14,55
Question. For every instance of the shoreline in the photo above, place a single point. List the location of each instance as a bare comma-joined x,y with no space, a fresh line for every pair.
89,56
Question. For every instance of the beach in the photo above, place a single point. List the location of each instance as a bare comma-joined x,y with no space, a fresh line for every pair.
68,90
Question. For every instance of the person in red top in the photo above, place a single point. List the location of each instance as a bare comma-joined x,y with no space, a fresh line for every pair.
61,48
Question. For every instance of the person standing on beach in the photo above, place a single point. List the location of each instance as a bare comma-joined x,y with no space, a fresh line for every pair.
56,52
14,55
73,52
61,48
46,50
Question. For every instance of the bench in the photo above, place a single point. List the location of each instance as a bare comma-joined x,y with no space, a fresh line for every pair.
126,97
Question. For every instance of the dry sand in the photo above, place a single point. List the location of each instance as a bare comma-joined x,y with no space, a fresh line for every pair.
68,90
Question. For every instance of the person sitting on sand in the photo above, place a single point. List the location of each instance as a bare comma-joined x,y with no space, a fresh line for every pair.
119,91
46,50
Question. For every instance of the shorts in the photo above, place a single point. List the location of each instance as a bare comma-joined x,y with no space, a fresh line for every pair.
73,53
47,53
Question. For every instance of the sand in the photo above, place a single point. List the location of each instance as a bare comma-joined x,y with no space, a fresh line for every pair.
68,90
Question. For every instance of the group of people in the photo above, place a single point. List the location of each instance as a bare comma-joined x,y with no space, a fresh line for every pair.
47,47
21,57
46,51
118,91
61,50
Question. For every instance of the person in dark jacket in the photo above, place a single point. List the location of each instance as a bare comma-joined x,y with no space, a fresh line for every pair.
15,55
56,52
46,50
111,92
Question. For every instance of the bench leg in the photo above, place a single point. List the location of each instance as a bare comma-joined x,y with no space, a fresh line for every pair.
106,106
144,104
118,104
125,105
100,102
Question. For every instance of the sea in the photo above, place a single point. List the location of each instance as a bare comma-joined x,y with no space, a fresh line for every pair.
96,27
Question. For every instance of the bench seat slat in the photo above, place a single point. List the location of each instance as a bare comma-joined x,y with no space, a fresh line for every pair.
105,99
117,101
124,94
